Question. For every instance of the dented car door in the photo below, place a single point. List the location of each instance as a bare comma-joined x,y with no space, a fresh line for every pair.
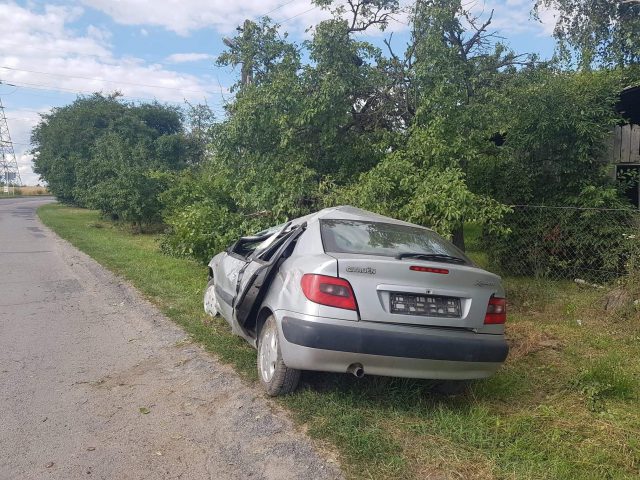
257,276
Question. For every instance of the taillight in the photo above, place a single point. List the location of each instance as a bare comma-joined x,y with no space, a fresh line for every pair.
417,268
330,291
496,311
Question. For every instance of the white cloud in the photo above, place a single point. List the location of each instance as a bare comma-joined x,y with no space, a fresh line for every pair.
45,51
515,17
184,16
188,57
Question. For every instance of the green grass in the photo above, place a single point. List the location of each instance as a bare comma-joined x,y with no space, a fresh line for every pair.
565,405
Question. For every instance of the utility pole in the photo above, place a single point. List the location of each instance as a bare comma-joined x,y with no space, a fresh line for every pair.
9,173
245,59
247,63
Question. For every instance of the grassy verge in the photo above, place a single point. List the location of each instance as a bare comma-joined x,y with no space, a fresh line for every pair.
564,405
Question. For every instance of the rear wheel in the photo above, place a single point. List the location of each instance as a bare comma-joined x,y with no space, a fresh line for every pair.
275,376
210,299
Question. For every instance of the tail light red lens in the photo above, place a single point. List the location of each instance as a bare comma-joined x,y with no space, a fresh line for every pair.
330,291
496,311
417,268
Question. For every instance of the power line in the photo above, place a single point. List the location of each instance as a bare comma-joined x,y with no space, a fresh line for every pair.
295,16
45,87
123,82
216,103
25,110
40,86
277,8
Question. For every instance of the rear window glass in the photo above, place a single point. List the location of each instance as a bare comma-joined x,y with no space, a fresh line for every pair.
385,239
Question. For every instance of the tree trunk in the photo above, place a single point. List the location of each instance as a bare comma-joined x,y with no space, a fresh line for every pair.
458,237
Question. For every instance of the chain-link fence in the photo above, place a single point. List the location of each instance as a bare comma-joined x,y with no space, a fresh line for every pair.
591,244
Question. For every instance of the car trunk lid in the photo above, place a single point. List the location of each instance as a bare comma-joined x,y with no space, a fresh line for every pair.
440,294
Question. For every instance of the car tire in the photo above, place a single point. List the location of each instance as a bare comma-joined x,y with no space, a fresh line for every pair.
276,378
210,299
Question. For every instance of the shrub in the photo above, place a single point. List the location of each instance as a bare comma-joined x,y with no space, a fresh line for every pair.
593,243
210,207
201,229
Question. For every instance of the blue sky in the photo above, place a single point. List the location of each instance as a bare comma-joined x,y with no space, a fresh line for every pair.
164,49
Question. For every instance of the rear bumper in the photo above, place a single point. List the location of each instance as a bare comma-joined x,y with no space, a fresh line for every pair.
315,343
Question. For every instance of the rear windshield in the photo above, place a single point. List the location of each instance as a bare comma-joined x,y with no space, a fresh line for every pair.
385,239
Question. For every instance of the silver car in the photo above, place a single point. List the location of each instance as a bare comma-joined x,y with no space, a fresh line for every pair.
346,290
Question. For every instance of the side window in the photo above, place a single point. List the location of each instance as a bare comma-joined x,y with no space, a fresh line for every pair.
246,246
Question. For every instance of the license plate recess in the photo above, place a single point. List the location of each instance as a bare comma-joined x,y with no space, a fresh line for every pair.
425,305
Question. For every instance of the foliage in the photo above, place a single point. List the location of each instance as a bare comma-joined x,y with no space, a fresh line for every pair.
553,128
207,212
64,137
435,197
449,130
605,32
299,136
201,216
103,153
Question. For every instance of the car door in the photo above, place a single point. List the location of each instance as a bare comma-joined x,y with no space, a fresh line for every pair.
227,282
257,275
232,265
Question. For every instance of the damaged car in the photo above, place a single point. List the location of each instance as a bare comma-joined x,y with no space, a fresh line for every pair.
346,290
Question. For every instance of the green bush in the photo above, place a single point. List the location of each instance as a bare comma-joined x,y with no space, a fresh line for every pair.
200,230
211,206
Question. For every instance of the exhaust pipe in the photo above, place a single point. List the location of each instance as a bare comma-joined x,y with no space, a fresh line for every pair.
356,369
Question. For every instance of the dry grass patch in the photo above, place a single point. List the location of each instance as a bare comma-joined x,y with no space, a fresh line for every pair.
526,338
34,190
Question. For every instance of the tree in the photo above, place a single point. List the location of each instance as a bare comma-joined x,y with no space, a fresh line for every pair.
597,32
441,88
64,137
402,187
554,127
200,121
448,131
102,153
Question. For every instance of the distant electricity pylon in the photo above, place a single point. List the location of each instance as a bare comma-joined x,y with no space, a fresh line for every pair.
9,173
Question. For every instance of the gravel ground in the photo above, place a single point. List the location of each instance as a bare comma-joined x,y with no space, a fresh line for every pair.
96,383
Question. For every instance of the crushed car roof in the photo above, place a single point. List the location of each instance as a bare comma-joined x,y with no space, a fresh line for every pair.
347,212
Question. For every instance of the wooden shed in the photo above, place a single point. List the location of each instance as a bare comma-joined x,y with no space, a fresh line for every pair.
624,148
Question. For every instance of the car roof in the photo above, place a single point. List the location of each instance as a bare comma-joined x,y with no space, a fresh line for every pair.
347,212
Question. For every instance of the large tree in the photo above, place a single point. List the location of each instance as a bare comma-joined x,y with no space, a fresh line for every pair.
597,32
445,130
103,153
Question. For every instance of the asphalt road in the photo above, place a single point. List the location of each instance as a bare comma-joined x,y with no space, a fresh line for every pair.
96,383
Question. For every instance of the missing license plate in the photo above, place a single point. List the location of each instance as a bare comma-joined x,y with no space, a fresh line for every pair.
426,305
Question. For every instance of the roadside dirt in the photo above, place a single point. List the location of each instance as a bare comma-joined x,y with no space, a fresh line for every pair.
96,383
